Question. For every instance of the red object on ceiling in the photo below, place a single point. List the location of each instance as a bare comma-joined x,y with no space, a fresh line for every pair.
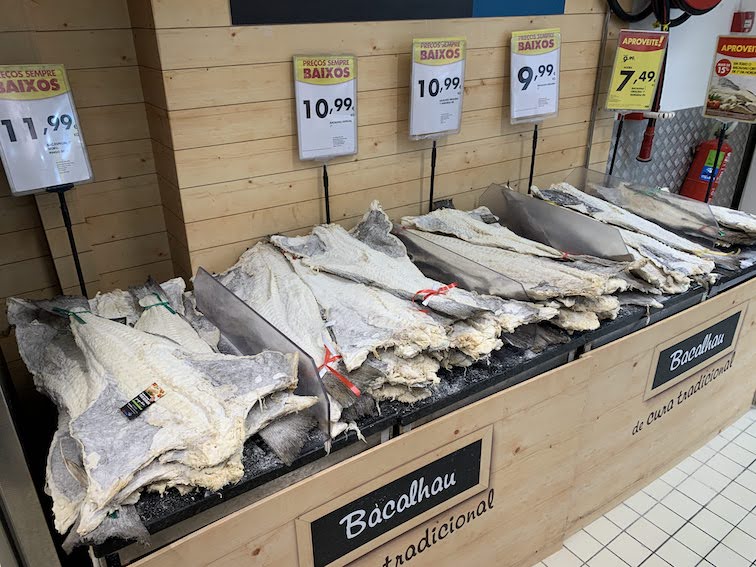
703,4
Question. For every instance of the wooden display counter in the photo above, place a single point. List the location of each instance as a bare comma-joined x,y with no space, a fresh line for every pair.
507,478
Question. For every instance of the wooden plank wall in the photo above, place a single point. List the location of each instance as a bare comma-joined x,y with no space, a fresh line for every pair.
220,105
118,218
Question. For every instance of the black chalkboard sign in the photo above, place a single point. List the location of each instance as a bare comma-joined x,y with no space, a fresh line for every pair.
677,359
353,525
253,12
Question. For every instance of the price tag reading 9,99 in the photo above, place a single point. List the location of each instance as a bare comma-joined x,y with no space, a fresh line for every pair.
438,81
326,96
534,83
40,142
637,65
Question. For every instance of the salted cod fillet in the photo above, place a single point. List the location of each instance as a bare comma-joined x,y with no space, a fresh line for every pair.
735,220
470,227
264,280
375,257
541,278
365,319
160,315
673,259
568,196
200,422
159,320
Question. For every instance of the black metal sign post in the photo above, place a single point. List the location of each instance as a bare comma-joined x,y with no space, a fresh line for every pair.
715,169
533,156
432,177
61,191
326,194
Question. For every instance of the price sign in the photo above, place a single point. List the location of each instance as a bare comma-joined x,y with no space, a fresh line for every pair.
637,65
534,83
326,96
732,84
40,142
438,81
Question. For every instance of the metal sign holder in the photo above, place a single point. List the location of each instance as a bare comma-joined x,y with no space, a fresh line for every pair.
61,191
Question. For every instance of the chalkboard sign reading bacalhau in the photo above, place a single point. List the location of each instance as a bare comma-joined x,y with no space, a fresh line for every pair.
690,353
367,517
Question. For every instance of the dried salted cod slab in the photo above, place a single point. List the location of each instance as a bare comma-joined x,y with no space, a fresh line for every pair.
735,220
657,274
541,278
674,260
200,420
275,407
116,304
158,319
571,320
65,479
605,306
264,280
402,394
568,196
205,329
470,227
332,249
616,270
365,319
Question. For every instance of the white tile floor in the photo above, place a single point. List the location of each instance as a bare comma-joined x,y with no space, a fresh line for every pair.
702,512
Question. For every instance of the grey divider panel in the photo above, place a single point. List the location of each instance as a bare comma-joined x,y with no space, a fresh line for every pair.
673,211
440,264
250,333
558,227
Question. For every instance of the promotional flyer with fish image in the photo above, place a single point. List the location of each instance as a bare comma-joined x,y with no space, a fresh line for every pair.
733,80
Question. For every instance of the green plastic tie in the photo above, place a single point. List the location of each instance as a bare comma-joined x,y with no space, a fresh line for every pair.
74,314
161,303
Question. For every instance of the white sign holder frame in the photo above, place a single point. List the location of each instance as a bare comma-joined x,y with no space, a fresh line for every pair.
435,136
44,84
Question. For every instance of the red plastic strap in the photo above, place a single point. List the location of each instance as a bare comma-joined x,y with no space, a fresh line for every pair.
329,358
424,294
565,256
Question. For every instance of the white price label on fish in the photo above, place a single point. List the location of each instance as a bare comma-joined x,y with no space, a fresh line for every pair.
326,97
534,83
438,82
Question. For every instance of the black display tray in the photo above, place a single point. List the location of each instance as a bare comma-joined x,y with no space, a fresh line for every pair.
506,368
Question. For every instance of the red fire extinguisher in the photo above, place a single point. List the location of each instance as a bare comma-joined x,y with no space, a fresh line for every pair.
701,170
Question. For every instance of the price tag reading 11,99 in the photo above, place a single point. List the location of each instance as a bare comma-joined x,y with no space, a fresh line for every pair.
637,65
438,81
40,142
326,96
535,75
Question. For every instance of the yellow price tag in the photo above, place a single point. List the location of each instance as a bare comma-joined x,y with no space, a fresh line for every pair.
636,70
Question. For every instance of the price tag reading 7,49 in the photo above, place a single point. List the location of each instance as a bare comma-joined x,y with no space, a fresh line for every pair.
534,84
438,80
326,95
40,142
637,65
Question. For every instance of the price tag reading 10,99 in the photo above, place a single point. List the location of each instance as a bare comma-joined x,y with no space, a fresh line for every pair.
40,142
326,96
438,81
636,69
535,75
